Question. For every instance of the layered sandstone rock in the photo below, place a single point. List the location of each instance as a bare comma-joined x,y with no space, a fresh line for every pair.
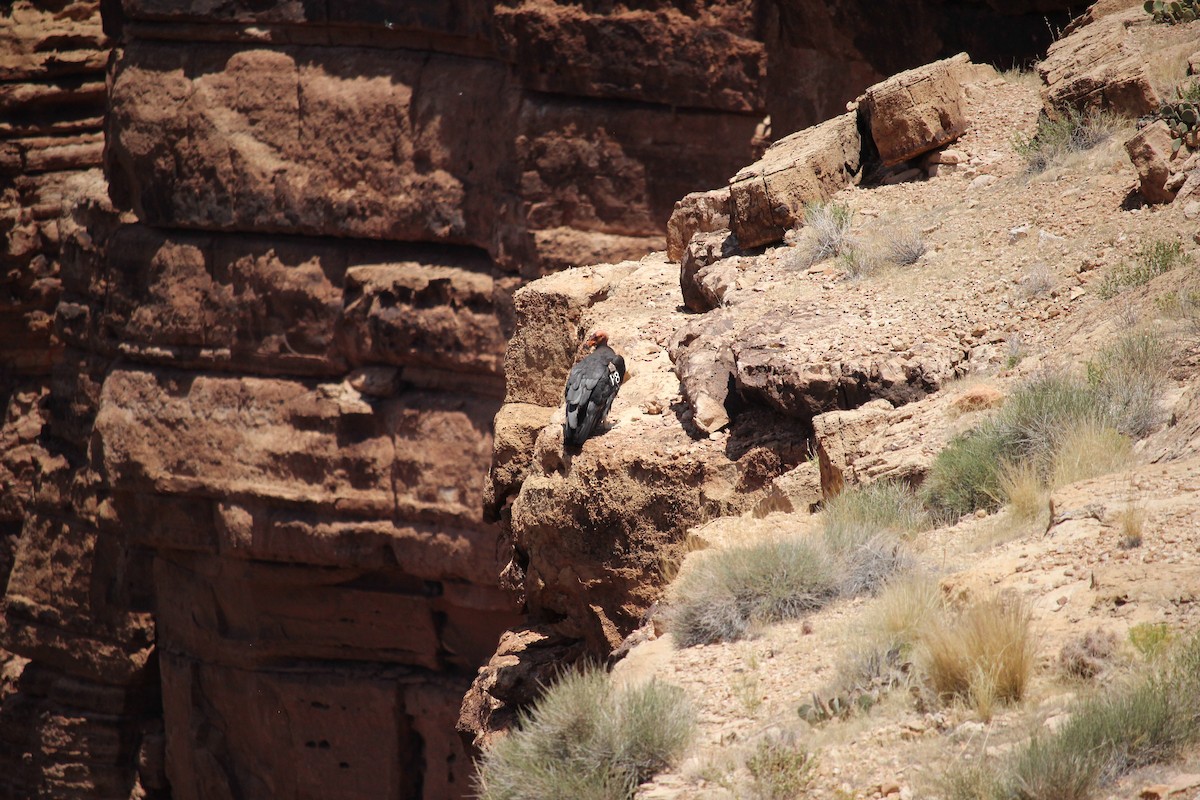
52,60
1101,66
918,110
588,530
245,458
79,702
768,197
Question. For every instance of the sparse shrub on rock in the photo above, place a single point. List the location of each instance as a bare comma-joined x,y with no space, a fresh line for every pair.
1151,260
1058,427
1088,655
1071,132
828,232
589,740
865,528
730,591
780,769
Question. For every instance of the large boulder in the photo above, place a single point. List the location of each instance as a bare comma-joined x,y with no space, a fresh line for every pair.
1100,66
917,110
768,197
1150,151
708,269
698,212
705,366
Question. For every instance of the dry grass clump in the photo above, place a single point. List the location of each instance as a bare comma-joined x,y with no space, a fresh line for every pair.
1056,140
1132,521
587,740
859,260
1089,655
1023,489
897,246
864,531
1148,721
1130,377
906,606
1024,435
729,593
1039,280
905,246
965,476
876,507
732,591
1088,450
983,654
829,228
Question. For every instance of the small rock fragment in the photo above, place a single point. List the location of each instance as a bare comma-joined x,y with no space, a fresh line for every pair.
374,381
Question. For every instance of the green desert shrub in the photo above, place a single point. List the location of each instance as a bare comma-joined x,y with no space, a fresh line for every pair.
1057,139
1151,260
1129,377
966,475
1150,638
1053,426
779,769
589,740
730,592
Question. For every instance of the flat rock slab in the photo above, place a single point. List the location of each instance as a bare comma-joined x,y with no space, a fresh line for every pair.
1100,66
768,197
807,366
917,110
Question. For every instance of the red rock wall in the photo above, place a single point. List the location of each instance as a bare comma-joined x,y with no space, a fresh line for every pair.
250,372
78,688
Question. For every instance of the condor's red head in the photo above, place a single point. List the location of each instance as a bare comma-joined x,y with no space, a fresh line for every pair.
597,339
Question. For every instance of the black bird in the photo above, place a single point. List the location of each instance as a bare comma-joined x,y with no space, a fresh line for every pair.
591,388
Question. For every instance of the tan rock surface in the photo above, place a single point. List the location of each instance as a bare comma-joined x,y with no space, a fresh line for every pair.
699,212
1151,154
768,197
918,110
1102,65
969,321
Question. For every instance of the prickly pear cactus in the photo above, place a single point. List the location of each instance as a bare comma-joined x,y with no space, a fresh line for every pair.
1172,12
1183,118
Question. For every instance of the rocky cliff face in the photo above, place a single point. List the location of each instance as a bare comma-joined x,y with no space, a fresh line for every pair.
250,372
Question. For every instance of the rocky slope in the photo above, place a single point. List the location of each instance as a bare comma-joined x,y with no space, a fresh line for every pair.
250,370
745,359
